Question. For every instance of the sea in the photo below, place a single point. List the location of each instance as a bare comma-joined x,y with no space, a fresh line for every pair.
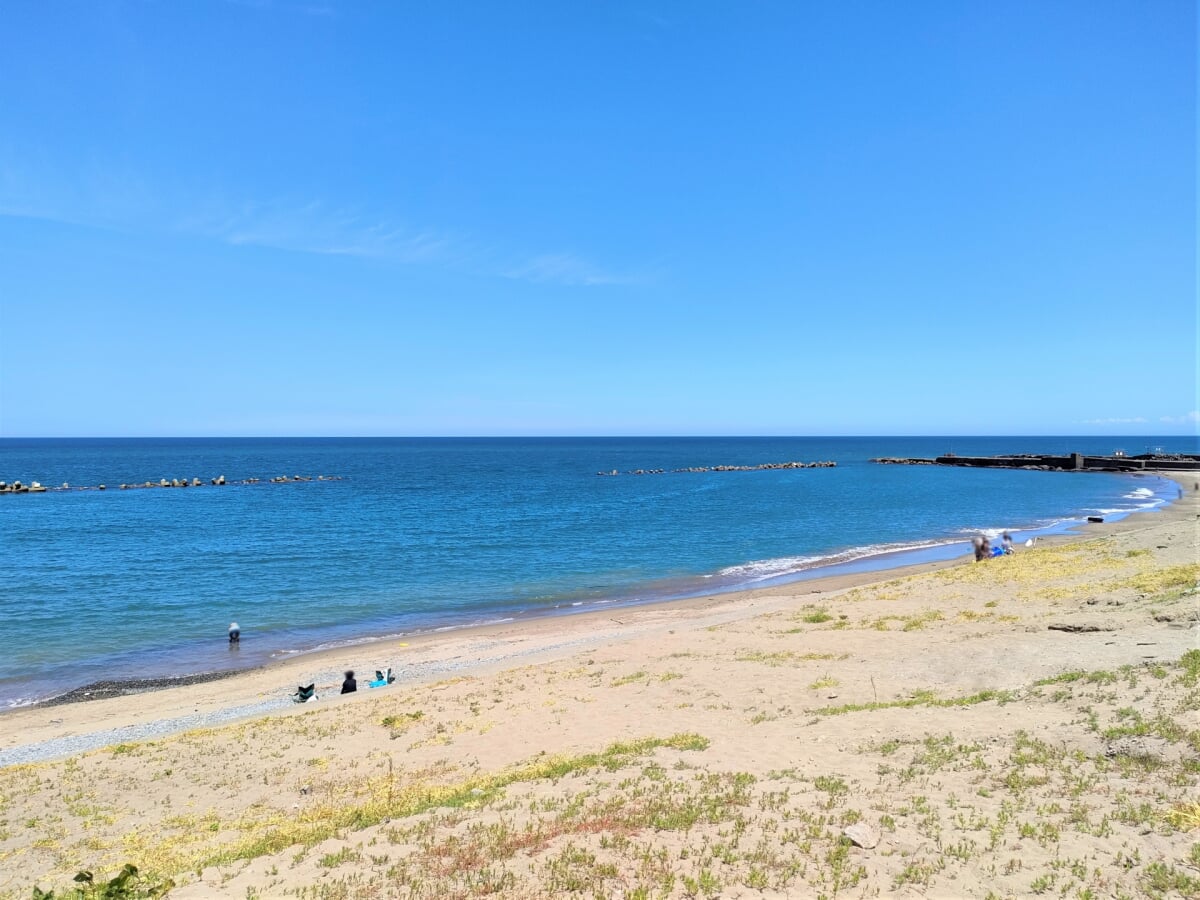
404,535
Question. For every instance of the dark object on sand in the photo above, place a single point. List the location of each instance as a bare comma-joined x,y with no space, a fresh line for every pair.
1081,627
349,686
304,694
1096,519
99,690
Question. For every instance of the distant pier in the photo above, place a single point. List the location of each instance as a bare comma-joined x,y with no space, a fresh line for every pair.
1071,462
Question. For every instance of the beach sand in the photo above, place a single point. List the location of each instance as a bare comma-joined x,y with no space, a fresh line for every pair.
1017,726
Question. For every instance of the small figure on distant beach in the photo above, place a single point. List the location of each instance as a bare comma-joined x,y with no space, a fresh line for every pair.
235,634
350,685
1006,543
983,547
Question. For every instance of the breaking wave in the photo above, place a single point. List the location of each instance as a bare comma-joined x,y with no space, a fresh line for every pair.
766,569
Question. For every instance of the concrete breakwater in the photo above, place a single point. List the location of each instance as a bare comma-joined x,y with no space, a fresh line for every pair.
34,487
822,464
1070,462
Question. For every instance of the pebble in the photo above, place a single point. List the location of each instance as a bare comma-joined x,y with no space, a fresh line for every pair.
862,835
1145,747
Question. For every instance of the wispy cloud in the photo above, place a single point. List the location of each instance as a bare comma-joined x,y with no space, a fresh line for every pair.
315,228
568,269
85,196
117,201
1188,418
651,17
305,9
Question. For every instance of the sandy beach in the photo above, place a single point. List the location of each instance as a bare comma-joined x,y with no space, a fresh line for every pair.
1020,726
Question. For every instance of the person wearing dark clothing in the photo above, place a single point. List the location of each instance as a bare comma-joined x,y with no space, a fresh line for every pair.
349,686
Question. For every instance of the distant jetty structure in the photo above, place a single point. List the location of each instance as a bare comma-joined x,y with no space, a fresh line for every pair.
1070,462
822,464
34,487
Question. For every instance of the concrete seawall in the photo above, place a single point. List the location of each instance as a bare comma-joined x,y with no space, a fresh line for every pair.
1071,462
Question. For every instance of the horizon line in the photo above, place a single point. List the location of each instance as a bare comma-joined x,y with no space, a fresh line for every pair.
442,437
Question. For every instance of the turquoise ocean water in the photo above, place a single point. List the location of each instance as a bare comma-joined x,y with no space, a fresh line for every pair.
431,533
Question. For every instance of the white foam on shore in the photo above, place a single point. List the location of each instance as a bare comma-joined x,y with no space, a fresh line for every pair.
769,568
1125,510
766,569
990,533
390,636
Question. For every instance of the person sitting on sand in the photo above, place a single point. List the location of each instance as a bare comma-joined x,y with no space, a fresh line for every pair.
1006,543
235,634
349,686
983,548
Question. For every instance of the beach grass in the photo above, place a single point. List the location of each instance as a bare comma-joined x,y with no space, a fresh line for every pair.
987,759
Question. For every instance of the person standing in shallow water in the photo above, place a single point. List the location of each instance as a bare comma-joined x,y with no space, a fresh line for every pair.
235,634
350,685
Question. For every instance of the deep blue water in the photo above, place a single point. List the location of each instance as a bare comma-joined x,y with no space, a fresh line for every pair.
424,533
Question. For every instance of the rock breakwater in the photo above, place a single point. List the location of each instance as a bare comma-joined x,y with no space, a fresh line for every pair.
821,464
34,487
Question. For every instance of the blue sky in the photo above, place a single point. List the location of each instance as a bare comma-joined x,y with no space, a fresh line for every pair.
323,218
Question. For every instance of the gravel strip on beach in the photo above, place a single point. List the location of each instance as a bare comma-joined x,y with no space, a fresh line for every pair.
326,680
81,743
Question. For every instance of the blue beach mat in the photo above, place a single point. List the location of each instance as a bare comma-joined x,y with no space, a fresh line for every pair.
383,677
